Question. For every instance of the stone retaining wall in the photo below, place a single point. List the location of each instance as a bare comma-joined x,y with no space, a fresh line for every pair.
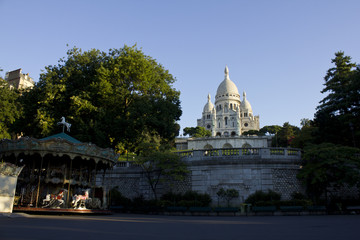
245,173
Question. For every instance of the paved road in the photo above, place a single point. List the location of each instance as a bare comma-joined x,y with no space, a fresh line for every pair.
131,227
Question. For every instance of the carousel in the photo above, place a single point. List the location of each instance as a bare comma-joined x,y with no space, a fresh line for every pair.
59,173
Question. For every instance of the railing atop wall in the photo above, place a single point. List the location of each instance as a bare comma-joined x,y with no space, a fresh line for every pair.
275,153
230,152
126,164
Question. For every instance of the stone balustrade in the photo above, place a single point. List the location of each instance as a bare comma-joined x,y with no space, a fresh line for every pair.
231,153
263,153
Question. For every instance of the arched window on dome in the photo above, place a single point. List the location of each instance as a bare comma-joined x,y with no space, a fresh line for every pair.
231,106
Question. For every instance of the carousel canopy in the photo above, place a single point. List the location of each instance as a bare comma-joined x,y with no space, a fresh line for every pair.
63,136
58,145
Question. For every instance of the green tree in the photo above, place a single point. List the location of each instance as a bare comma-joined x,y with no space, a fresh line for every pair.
10,109
114,99
272,129
253,132
338,115
160,165
306,135
282,136
305,122
328,167
331,160
286,135
196,132
228,194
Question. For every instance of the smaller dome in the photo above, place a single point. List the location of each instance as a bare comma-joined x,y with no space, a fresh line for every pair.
208,106
245,105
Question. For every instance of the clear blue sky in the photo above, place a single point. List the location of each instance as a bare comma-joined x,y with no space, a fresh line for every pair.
277,51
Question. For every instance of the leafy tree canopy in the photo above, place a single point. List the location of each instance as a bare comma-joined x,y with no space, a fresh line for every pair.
306,135
115,99
253,132
282,135
286,135
271,129
327,167
196,132
10,109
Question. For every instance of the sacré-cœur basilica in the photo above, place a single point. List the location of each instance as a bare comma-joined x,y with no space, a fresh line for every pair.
229,116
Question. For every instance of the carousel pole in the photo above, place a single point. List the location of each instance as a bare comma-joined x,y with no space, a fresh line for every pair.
94,181
38,188
68,190
105,205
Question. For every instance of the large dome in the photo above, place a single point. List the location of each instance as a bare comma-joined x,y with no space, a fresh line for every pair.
227,86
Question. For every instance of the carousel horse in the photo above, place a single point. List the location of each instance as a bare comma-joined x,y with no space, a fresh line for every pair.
68,125
54,200
81,199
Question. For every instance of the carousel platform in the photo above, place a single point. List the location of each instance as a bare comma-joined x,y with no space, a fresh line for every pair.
61,211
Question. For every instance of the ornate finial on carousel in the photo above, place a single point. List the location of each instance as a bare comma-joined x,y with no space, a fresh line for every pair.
68,125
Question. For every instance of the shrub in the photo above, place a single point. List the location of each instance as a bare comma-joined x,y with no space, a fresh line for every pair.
117,199
228,194
297,196
260,196
171,197
188,199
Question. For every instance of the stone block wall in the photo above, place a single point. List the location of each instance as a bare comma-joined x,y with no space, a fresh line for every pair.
245,176
208,175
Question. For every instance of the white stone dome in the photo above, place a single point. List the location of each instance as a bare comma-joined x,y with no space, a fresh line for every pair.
209,106
227,86
245,105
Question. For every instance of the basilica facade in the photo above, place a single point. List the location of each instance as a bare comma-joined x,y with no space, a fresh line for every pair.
229,116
